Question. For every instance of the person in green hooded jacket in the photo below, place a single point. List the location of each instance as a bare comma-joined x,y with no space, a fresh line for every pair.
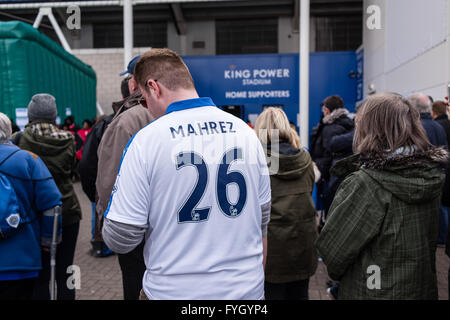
379,240
56,148
292,231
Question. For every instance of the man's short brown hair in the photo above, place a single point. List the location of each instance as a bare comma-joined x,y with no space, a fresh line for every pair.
164,66
439,108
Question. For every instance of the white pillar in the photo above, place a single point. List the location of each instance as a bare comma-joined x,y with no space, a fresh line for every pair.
303,118
38,20
127,31
58,31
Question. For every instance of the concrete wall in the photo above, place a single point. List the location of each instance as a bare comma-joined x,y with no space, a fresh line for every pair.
107,63
411,51
289,40
79,39
196,31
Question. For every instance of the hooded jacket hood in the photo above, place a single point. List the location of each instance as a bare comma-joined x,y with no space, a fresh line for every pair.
58,152
414,178
48,146
132,100
339,116
292,162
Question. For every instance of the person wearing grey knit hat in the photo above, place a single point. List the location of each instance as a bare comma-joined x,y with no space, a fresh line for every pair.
42,107
56,148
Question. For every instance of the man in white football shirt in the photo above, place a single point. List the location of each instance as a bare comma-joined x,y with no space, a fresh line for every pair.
195,183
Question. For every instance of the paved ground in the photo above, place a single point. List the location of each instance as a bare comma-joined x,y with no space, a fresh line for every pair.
101,277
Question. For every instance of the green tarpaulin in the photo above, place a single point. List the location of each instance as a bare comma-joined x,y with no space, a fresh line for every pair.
31,63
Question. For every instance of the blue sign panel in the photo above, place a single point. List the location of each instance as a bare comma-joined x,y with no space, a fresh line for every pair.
243,79
360,75
259,80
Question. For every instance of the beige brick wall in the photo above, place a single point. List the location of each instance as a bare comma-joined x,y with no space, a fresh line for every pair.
107,64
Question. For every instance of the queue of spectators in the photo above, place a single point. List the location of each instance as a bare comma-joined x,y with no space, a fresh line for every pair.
382,177
336,152
99,167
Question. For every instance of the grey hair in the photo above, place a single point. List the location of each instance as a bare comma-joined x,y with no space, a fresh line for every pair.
420,102
5,128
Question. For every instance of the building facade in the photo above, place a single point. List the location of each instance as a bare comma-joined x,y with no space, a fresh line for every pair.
197,29
409,52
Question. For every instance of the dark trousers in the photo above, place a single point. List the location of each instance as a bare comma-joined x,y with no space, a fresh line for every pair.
297,290
64,258
133,267
17,289
444,213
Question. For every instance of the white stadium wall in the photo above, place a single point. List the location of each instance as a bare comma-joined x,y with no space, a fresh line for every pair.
411,52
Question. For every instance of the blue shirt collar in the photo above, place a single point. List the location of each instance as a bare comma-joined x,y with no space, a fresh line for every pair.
189,104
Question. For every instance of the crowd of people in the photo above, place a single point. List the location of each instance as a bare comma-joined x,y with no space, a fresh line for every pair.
200,205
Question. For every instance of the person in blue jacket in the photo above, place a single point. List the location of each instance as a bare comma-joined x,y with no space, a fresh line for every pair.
38,198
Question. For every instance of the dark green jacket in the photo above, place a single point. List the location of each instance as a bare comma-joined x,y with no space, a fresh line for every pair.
386,215
58,154
292,231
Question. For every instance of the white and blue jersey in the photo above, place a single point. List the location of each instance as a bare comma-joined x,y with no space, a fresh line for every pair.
198,177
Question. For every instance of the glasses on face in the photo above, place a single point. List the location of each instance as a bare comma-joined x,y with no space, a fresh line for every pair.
143,102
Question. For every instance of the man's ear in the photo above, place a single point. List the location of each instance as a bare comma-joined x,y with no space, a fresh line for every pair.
153,85
132,85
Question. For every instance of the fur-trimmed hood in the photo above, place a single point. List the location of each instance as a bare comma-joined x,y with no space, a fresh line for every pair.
413,178
336,114
380,161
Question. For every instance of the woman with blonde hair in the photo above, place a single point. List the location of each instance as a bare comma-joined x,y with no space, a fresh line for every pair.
292,232
379,240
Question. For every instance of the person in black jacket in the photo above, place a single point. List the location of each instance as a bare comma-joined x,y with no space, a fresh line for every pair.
342,146
439,114
438,137
447,251
336,121
447,246
89,164
435,132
